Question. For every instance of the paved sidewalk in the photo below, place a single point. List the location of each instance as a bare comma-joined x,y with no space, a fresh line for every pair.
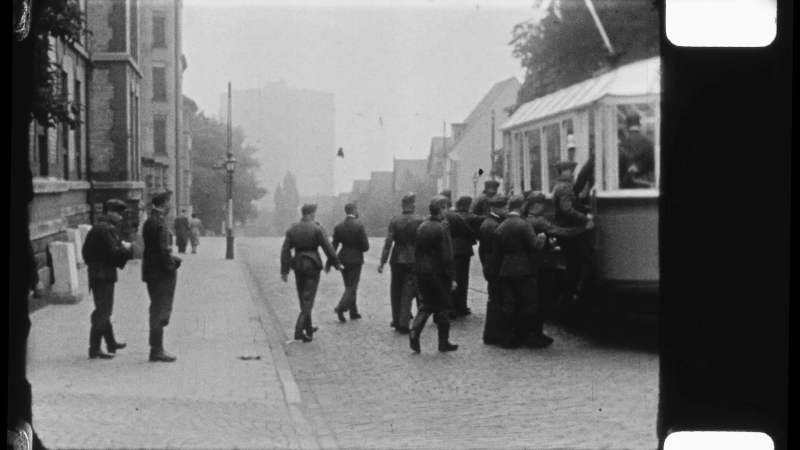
209,398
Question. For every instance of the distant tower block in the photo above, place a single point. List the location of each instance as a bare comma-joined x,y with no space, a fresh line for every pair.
65,270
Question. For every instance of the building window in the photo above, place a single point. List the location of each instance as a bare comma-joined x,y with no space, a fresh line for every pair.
160,135
535,158
160,84
159,32
552,134
134,30
78,135
44,154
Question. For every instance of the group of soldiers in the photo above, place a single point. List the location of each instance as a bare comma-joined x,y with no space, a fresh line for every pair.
105,251
430,260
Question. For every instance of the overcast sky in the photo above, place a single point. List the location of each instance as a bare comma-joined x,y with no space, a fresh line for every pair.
397,72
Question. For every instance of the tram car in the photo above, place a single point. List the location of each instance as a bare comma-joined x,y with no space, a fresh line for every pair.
592,115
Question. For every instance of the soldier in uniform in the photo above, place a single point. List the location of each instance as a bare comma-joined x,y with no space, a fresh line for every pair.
516,245
492,331
353,237
436,275
104,252
464,237
400,240
636,157
305,237
182,231
489,190
575,244
160,273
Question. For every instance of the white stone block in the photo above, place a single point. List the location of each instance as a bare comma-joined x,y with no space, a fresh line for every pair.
74,236
65,269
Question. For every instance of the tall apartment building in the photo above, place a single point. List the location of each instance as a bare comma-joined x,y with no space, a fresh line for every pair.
294,131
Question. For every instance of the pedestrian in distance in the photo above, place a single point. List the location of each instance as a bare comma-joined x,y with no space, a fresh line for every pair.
436,274
305,238
160,273
516,244
195,231
182,231
352,235
464,238
398,250
489,190
493,333
636,157
104,252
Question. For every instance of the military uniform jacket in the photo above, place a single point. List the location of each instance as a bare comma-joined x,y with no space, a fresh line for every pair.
305,237
400,239
463,236
157,260
545,257
434,250
103,251
565,205
637,149
515,247
479,205
488,234
352,235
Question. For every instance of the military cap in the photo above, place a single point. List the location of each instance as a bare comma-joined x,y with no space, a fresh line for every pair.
409,199
516,202
563,165
463,202
633,120
350,208
537,197
438,203
447,193
308,208
497,200
115,205
491,184
160,199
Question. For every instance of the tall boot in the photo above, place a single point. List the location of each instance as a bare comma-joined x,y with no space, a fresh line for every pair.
157,353
511,330
111,342
529,327
95,339
444,336
539,329
416,330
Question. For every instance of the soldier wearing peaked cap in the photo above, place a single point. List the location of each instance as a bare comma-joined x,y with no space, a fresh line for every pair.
104,252
398,250
436,275
160,273
636,157
493,332
489,190
352,235
464,234
305,237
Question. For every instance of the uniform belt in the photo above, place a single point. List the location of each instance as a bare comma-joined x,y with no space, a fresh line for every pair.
305,249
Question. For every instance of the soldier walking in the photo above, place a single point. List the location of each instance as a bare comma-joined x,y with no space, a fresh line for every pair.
305,237
436,275
353,237
479,208
576,244
400,242
104,252
464,237
515,247
160,273
493,332
195,230
182,231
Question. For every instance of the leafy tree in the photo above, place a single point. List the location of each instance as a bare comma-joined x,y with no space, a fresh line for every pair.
209,179
561,44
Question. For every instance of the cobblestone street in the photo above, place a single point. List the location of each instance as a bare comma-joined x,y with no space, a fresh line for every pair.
374,392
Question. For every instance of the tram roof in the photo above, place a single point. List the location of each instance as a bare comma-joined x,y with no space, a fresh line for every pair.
631,80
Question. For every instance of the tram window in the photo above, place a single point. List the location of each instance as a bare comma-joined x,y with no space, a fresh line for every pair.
521,153
552,134
591,130
535,157
636,145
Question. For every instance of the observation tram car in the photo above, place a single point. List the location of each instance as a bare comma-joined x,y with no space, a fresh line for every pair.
593,114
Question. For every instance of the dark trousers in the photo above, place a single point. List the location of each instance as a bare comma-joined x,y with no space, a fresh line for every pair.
307,282
181,242
103,294
351,276
162,294
520,303
493,332
462,281
434,290
403,290
578,257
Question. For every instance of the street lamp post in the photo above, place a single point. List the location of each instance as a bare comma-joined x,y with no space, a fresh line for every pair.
230,167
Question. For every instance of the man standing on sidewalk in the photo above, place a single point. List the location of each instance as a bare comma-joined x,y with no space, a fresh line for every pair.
492,330
353,237
104,251
160,272
436,275
305,237
464,237
400,241
182,231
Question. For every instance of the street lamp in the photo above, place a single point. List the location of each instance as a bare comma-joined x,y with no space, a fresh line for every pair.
230,167
475,178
